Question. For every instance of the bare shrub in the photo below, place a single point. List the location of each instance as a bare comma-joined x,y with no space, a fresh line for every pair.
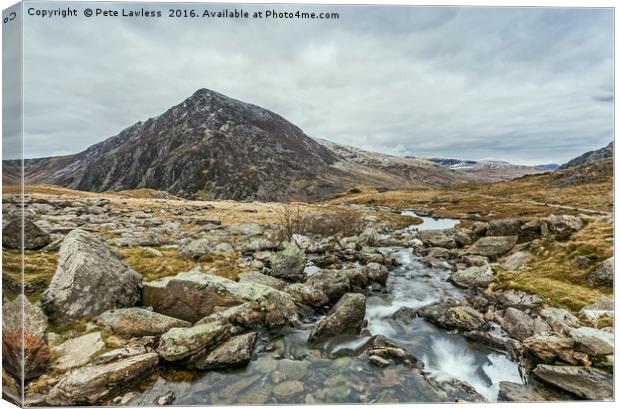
291,219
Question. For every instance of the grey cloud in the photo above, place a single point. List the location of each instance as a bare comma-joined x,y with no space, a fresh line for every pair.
528,85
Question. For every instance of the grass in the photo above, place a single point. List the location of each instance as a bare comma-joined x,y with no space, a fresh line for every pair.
554,274
39,268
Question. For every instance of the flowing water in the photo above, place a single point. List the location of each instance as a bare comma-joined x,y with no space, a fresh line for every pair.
286,370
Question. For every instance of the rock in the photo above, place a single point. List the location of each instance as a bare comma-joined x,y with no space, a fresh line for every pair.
34,237
346,317
304,294
516,261
256,277
593,341
377,272
518,299
521,326
493,246
378,361
24,339
90,278
437,238
587,383
547,347
180,343
382,350
472,277
288,389
404,315
462,238
289,263
151,251
564,225
369,237
101,202
165,399
237,351
452,316
602,308
77,351
473,260
559,319
516,392
504,227
247,315
292,369
138,322
196,248
259,244
603,275
223,248
91,384
193,295
245,229
333,283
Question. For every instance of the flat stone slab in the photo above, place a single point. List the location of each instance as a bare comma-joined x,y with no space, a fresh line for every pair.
78,351
138,322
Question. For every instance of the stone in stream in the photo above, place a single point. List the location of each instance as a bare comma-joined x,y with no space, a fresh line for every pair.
383,352
192,295
24,339
165,399
493,246
92,384
180,343
585,382
516,392
547,347
472,277
304,294
247,315
346,317
289,263
593,341
78,351
603,275
334,283
236,351
90,278
376,272
34,237
521,326
437,238
138,322
451,315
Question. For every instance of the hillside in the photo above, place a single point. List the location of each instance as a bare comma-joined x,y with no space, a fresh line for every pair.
592,156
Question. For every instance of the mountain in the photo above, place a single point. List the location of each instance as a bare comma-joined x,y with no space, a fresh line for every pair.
211,146
488,170
588,157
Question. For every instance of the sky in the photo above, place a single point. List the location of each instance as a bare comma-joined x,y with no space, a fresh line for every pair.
526,85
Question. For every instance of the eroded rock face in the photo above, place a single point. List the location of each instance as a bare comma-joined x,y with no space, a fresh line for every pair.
91,384
90,278
493,246
180,343
346,317
34,237
34,333
585,382
603,275
193,295
138,322
289,263
237,351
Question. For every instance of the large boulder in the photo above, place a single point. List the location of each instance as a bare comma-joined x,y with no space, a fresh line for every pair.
260,278
493,246
346,317
289,263
237,351
180,343
584,382
197,248
521,326
193,295
593,341
437,238
92,384
333,283
90,278
28,330
34,237
138,322
563,226
306,295
450,315
376,272
603,275
472,277
516,261
504,227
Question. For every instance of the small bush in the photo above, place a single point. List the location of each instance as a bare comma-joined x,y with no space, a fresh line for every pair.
291,219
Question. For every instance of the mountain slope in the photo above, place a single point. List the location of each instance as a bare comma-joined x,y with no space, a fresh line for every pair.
215,147
488,170
588,157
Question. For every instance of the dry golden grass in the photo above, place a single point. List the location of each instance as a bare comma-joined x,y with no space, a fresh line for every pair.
39,268
554,274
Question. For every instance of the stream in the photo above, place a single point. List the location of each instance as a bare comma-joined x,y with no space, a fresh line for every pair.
286,370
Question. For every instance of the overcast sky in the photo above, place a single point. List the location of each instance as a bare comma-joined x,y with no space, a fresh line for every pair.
528,85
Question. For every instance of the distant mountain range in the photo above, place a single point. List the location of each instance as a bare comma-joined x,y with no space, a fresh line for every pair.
490,170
